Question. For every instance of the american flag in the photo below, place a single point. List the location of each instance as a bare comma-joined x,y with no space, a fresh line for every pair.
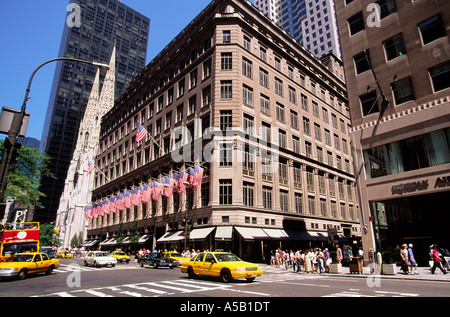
142,133
198,176
90,168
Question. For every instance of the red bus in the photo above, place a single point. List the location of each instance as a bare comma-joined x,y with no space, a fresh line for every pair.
18,238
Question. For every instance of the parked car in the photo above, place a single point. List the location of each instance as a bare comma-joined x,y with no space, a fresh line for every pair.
156,260
99,258
64,255
121,256
22,264
225,265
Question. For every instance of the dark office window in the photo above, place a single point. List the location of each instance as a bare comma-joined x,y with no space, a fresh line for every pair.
361,62
387,7
225,192
403,90
369,103
394,47
356,23
432,29
440,76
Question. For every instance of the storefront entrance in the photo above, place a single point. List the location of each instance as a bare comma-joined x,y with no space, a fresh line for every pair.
420,220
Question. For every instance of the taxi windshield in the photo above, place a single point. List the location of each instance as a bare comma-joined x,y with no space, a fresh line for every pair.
20,258
120,253
99,254
226,257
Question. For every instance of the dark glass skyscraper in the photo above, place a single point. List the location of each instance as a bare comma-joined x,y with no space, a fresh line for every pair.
104,23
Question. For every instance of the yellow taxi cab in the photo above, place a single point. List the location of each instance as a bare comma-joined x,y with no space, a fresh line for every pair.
121,256
178,259
22,264
64,255
225,265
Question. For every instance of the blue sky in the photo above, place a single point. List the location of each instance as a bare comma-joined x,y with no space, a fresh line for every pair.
30,34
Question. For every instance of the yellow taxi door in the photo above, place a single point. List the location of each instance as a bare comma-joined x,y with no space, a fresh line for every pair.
37,261
199,265
211,266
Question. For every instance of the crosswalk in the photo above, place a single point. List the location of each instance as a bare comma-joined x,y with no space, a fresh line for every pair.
358,293
68,268
146,289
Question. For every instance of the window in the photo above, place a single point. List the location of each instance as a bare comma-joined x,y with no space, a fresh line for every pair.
226,117
248,194
284,200
361,62
387,7
280,113
432,29
247,42
265,105
356,23
403,90
226,36
267,197
440,76
369,103
294,120
193,79
312,205
247,95
207,69
279,87
248,125
394,47
225,192
306,127
247,68
292,95
282,141
298,203
226,61
263,78
206,96
265,132
226,154
410,154
226,90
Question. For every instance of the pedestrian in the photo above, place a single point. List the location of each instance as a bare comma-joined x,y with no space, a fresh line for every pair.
272,258
298,260
350,252
327,260
315,261
320,260
412,260
338,254
361,252
308,261
404,257
437,260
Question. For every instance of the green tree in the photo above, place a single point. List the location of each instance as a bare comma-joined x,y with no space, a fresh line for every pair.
24,180
77,240
120,235
48,237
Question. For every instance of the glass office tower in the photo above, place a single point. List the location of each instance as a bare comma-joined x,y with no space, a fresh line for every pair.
104,23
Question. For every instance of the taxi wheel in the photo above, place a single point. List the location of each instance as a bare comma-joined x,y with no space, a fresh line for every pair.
191,273
50,270
251,279
22,274
225,274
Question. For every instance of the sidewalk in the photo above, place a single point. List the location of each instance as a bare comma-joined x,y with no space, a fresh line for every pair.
424,273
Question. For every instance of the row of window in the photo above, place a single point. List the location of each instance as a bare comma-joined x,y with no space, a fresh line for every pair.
346,211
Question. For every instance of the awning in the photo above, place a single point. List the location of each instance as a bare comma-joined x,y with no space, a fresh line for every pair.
200,233
172,237
306,235
252,233
276,234
89,243
108,242
144,238
224,233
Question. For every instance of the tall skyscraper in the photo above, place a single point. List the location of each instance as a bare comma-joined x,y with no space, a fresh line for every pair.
103,24
397,65
312,23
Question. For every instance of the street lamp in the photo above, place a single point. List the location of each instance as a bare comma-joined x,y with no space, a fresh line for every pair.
18,119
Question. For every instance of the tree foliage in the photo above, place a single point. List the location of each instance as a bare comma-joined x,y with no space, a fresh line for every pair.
48,237
24,180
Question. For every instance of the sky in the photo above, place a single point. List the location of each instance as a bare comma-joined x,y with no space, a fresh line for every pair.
31,32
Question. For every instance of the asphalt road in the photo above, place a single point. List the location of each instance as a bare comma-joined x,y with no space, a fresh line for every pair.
72,279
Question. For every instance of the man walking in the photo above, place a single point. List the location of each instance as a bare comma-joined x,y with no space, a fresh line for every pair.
437,260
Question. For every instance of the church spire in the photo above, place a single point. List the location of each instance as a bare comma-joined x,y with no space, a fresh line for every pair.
107,95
